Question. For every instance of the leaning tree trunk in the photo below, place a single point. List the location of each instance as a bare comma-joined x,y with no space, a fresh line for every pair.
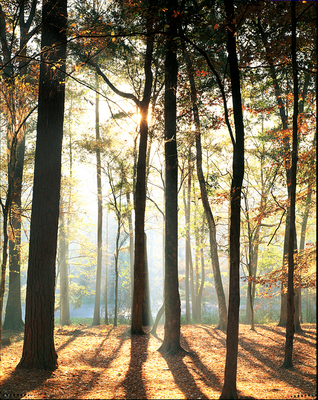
205,201
38,348
229,387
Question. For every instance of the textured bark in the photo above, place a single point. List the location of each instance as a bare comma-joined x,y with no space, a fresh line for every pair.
38,348
13,316
229,390
171,341
288,360
140,195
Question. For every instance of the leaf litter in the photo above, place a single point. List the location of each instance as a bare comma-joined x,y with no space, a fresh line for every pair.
107,363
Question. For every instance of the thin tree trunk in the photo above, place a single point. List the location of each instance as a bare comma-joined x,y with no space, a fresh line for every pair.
64,292
96,318
106,272
205,201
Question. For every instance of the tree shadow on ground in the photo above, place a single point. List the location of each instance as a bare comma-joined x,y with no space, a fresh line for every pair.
134,382
21,382
300,337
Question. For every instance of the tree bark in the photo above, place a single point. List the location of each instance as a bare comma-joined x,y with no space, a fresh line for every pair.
288,360
140,193
38,348
171,341
229,390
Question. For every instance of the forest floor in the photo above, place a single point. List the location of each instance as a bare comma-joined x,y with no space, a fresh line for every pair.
107,363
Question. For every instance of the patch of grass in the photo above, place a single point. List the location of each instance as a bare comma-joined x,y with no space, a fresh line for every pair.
76,321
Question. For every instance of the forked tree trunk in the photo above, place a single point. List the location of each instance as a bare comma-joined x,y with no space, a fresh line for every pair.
38,348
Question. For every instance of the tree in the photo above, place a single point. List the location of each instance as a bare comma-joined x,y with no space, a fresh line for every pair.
38,348
96,318
16,98
171,341
204,197
229,387
290,329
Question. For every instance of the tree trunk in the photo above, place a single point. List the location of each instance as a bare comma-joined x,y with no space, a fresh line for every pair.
205,201
116,267
38,348
13,317
146,309
96,318
158,317
229,388
171,341
106,271
187,205
288,361
64,292
131,248
140,193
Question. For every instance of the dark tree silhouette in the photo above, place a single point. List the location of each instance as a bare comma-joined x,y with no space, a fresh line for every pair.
38,349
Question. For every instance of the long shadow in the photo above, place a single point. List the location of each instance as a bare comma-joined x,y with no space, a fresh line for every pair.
104,362
298,337
205,374
74,334
287,376
133,382
20,382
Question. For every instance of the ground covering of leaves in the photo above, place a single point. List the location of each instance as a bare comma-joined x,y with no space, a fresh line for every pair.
107,363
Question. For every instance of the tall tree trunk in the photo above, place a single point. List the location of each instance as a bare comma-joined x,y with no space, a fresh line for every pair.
283,117
96,318
171,341
187,205
146,309
140,191
13,316
131,248
229,388
38,348
116,267
288,360
205,201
